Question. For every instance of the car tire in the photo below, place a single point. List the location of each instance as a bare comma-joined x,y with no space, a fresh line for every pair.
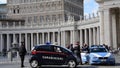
34,64
71,64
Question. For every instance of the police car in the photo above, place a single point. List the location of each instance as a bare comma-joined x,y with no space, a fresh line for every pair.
84,57
48,54
100,55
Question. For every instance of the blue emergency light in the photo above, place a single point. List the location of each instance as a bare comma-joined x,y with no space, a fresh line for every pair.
48,43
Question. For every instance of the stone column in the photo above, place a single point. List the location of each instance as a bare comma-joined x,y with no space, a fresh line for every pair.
101,27
74,37
94,36
114,31
107,28
71,36
64,38
98,35
81,37
90,37
43,40
8,42
37,38
86,38
1,38
58,37
53,37
26,41
19,39
31,40
14,39
48,36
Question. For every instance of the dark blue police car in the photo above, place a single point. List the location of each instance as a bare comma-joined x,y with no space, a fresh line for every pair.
52,55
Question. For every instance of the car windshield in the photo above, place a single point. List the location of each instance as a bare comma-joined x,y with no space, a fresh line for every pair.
98,50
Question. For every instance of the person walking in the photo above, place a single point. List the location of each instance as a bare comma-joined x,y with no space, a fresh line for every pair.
22,53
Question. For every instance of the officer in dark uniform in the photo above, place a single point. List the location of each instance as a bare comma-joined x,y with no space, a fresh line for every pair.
78,52
22,52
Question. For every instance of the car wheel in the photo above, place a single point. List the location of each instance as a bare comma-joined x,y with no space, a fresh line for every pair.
34,64
71,64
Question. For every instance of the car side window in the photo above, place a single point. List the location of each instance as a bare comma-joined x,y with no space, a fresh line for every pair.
57,49
64,51
44,48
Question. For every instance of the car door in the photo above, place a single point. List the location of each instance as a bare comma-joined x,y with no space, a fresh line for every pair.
46,55
58,56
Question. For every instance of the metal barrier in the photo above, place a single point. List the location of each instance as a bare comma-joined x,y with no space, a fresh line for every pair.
15,59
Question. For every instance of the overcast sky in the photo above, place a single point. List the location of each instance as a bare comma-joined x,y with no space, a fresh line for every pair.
90,6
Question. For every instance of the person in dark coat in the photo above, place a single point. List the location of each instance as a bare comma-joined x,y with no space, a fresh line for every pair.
22,53
77,51
106,46
85,47
70,47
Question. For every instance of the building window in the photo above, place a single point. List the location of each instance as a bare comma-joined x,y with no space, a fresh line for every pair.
53,5
14,11
16,23
29,19
47,18
41,18
10,24
35,19
4,24
22,24
53,18
48,6
41,7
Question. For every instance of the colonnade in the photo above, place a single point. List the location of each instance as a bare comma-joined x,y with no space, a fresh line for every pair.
89,36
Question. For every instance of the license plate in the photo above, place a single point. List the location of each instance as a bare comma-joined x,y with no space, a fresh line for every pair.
103,60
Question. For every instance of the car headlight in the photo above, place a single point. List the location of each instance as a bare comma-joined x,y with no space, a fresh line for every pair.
95,57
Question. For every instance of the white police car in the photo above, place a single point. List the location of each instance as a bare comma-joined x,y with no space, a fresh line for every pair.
84,56
48,54
100,55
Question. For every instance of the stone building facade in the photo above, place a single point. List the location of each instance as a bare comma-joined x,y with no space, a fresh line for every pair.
64,28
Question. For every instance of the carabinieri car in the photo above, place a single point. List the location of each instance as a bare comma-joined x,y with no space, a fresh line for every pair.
100,55
48,54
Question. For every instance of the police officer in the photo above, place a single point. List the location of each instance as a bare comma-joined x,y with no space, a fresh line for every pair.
22,52
77,51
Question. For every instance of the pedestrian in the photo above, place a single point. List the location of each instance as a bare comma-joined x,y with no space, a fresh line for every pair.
22,53
70,47
4,52
77,51
106,46
85,47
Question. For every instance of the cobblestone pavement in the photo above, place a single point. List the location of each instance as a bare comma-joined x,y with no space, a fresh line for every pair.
6,63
